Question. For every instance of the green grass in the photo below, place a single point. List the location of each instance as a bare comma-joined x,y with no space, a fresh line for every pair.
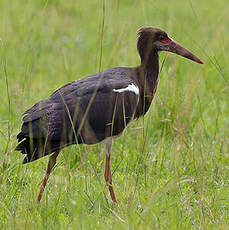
171,168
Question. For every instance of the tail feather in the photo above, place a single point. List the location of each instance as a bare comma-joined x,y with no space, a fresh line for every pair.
34,148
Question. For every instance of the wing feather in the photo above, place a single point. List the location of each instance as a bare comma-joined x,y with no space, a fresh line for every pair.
88,111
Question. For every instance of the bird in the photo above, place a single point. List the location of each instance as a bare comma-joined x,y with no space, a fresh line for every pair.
97,108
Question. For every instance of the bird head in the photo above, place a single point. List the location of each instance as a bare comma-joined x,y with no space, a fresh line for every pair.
150,38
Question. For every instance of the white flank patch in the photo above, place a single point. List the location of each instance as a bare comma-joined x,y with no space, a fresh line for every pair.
131,88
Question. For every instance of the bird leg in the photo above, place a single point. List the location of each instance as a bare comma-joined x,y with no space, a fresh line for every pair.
51,164
108,175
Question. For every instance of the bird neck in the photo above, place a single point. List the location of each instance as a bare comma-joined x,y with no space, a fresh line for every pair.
150,66
149,73
148,78
149,57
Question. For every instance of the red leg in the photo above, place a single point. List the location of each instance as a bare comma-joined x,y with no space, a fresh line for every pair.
108,175
51,164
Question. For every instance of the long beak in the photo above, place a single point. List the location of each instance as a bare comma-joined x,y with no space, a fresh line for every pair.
175,47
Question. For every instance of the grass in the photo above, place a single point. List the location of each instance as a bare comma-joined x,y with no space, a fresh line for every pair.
171,169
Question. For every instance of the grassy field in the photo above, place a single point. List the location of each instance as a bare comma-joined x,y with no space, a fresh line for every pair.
171,169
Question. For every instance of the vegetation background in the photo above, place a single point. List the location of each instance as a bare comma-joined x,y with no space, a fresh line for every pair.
170,169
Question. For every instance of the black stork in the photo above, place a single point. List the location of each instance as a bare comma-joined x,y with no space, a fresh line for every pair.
96,108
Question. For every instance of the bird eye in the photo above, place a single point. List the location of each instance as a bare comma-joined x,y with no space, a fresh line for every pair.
161,37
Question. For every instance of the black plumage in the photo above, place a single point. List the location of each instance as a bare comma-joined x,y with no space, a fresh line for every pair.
98,107
84,111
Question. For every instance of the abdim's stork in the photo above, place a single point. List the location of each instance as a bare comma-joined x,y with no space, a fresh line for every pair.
96,108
